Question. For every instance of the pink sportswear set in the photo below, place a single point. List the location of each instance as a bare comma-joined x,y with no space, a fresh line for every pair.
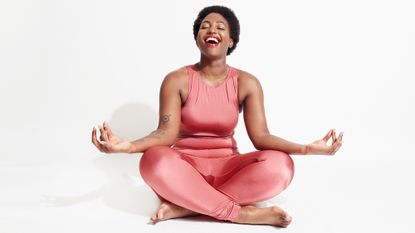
204,171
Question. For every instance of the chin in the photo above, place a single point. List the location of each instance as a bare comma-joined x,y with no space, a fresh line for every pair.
213,54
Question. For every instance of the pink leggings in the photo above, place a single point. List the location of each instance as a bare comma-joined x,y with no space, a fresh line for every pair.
216,187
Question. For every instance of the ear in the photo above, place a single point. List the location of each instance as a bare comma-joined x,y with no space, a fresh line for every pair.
231,43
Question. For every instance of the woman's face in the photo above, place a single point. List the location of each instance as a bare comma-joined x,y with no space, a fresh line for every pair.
213,38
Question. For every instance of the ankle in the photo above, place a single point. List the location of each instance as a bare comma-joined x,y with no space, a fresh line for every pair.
244,214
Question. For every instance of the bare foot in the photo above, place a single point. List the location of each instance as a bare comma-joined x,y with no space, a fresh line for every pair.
270,216
168,210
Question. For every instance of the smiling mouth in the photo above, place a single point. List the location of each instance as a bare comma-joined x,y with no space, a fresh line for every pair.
212,41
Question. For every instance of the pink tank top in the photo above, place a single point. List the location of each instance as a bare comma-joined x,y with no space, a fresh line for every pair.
210,114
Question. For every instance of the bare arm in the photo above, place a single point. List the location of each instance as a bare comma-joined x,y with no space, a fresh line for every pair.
168,126
256,125
169,117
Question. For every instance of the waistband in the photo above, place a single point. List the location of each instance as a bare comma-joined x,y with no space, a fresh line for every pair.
201,142
207,147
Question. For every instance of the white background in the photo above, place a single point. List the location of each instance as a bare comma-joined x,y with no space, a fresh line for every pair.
66,66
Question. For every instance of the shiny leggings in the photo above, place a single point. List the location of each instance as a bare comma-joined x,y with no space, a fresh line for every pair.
219,186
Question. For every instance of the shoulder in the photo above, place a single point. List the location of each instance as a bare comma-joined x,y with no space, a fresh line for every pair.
247,81
176,79
177,75
248,85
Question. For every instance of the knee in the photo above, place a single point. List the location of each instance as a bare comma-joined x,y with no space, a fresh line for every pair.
280,165
154,161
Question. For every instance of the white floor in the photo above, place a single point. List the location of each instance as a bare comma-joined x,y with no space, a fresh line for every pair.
106,194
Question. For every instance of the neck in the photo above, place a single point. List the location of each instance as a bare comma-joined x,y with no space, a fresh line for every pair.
212,67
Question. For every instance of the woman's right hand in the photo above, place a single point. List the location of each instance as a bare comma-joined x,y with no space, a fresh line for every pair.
108,142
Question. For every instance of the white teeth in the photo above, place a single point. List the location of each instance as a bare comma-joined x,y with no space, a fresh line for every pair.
209,39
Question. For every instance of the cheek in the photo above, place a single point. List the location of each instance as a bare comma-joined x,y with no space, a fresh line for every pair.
226,38
198,38
226,42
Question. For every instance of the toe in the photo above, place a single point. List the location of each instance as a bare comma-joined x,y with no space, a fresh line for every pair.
154,219
287,221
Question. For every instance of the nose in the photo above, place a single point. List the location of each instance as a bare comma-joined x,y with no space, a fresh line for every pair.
211,30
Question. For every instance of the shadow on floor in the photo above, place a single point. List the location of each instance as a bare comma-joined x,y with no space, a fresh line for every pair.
124,189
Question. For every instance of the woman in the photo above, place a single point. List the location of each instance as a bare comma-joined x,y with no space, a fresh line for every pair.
191,160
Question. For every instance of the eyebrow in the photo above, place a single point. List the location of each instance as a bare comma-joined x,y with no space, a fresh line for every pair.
207,21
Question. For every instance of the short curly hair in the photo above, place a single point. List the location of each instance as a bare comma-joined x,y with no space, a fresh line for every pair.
228,14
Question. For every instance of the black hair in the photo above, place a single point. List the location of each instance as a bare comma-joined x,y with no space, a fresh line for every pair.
228,14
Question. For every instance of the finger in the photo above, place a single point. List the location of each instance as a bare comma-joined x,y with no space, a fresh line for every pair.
331,149
94,139
333,136
108,129
328,135
339,142
337,146
340,138
104,126
104,136
101,130
93,136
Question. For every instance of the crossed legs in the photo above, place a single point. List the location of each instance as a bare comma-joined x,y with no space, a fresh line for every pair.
185,191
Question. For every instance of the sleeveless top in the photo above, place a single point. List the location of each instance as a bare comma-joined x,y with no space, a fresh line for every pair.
209,116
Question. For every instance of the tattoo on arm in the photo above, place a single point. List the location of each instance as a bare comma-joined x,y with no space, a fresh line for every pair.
165,118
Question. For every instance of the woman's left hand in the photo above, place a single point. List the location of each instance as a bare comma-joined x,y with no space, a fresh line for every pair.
320,146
